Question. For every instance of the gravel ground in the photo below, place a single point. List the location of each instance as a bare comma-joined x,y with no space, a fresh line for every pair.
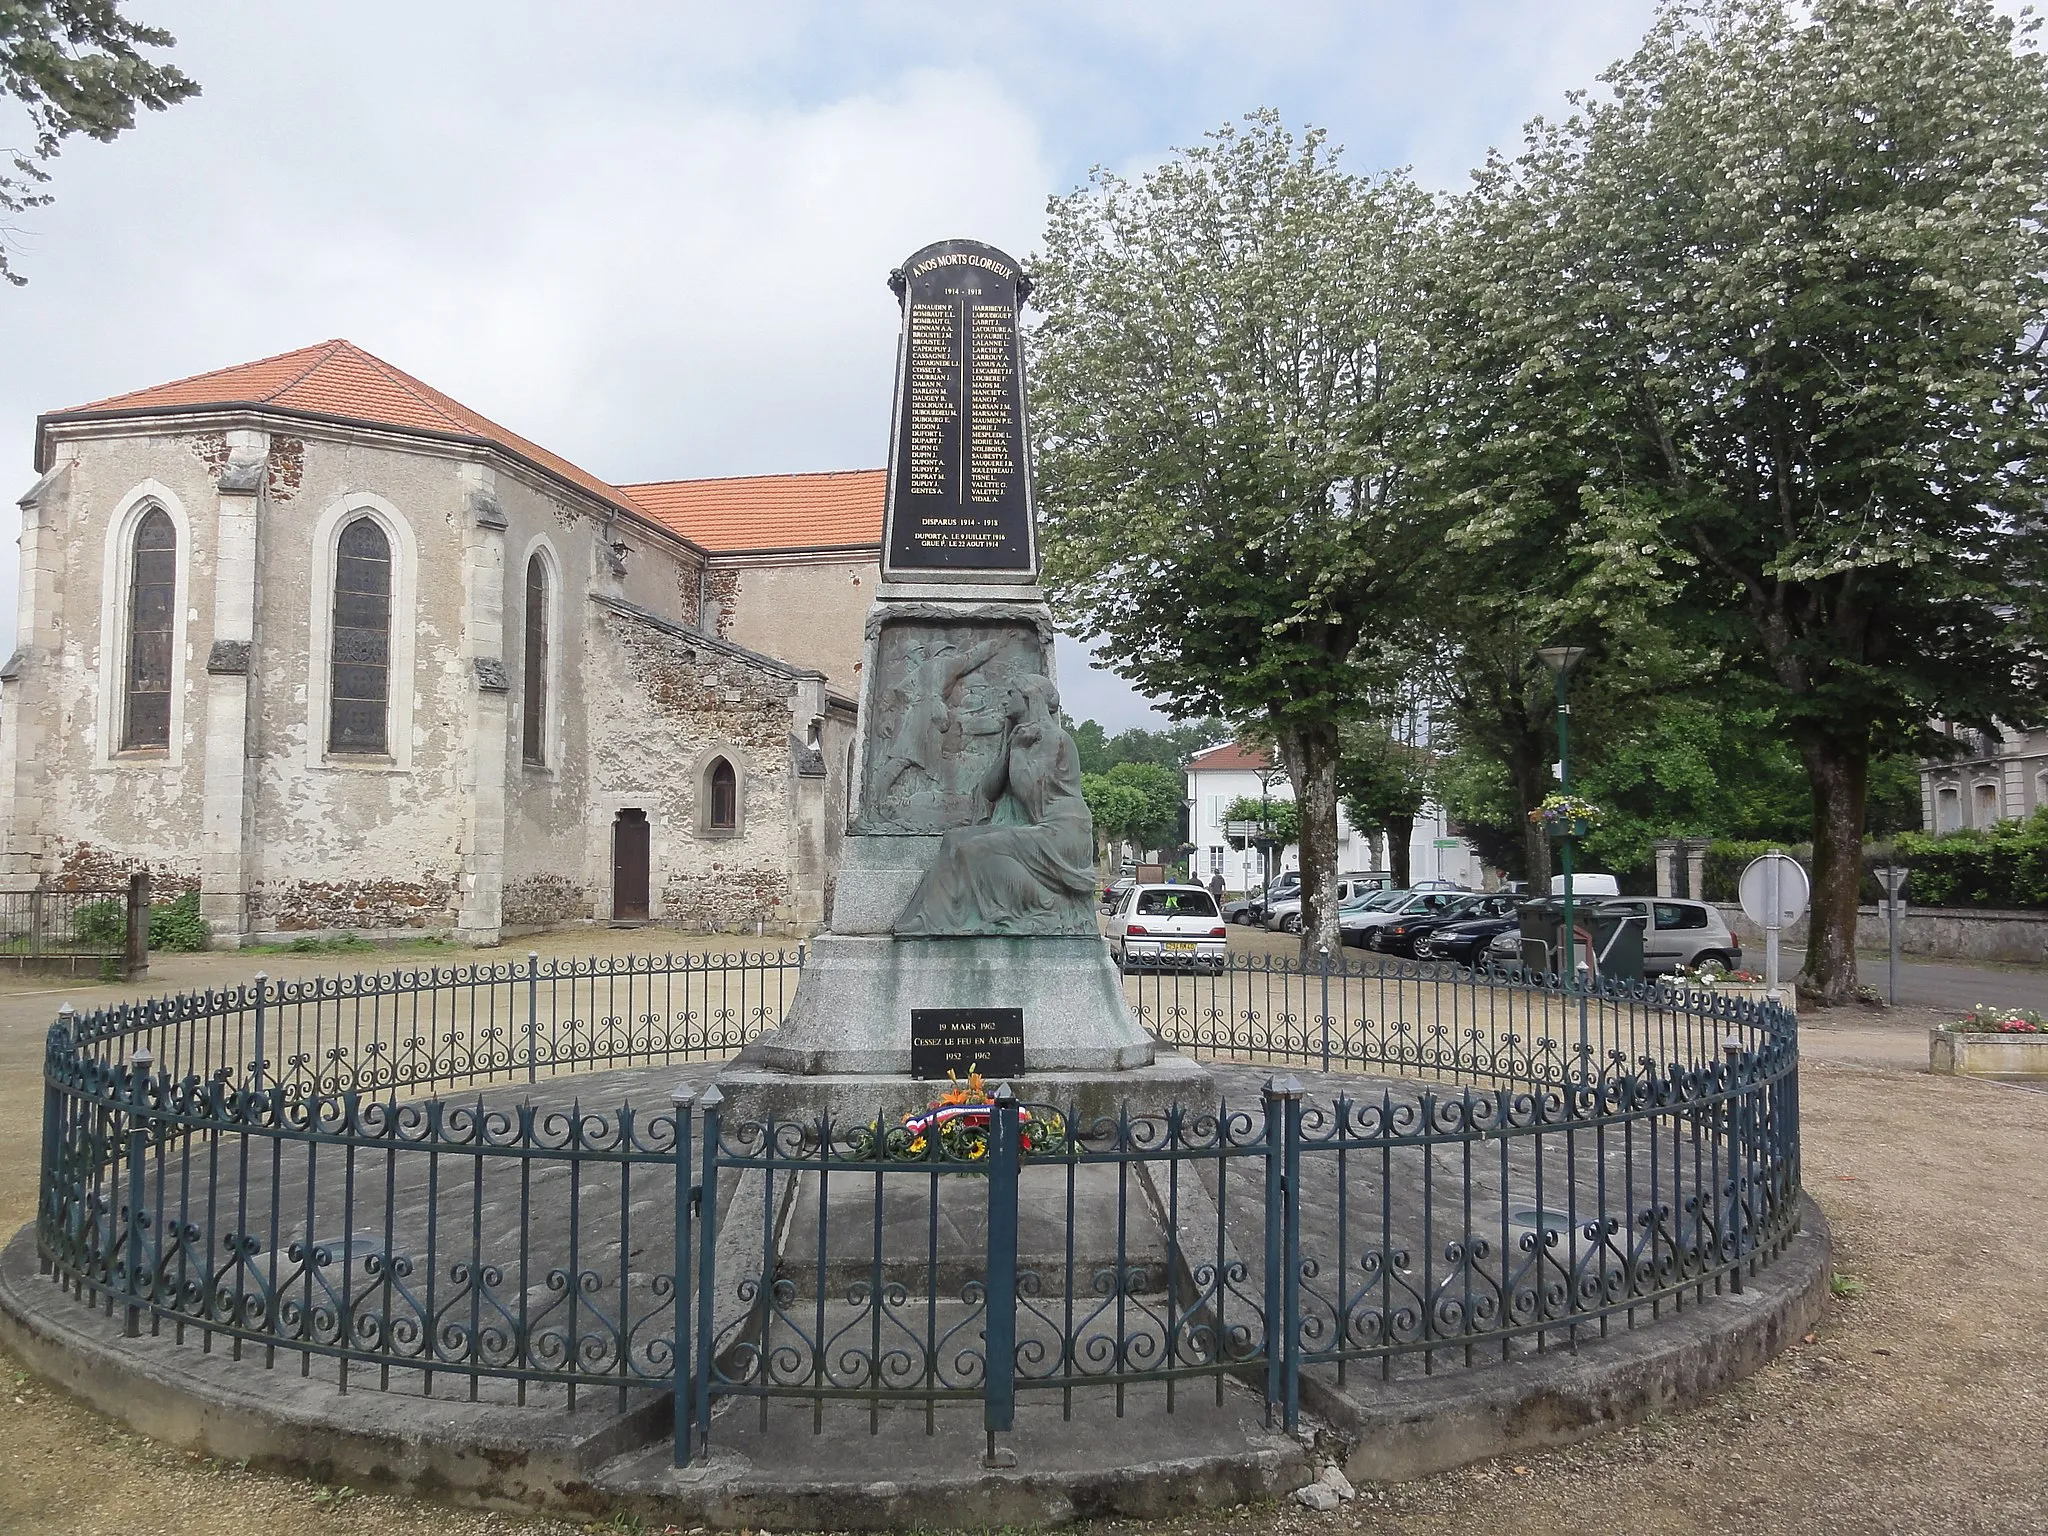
1919,1404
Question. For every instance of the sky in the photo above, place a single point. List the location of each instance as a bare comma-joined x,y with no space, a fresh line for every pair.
654,237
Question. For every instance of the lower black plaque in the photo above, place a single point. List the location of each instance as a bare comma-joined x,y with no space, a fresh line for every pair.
963,1040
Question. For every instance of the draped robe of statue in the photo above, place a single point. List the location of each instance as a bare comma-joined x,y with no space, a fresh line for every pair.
1030,868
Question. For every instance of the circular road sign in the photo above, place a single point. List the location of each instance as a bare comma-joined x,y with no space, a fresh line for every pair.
1774,891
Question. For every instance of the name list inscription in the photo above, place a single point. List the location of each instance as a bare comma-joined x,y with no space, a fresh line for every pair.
958,493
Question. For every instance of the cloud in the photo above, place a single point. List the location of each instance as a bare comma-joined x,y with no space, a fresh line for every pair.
654,236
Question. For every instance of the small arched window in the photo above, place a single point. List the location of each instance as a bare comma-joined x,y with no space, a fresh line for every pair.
534,722
359,697
152,618
725,798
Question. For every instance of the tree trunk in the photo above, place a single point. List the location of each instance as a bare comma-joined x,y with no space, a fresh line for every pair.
1839,773
1530,774
1311,754
1400,833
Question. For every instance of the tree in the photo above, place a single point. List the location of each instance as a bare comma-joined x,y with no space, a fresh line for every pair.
1384,783
1224,407
1118,809
1163,792
1772,309
1281,817
76,67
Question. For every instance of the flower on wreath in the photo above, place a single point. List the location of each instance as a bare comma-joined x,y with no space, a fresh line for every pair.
959,1120
1557,810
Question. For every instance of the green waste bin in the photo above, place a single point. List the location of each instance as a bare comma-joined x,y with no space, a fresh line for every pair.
1608,941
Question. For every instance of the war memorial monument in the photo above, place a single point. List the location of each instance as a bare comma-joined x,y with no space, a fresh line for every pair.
938,1220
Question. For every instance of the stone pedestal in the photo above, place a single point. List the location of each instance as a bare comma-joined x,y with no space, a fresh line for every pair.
852,1007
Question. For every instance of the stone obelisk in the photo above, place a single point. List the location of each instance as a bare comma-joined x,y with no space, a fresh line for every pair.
966,889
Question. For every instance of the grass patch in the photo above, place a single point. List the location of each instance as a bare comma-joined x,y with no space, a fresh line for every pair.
1846,1287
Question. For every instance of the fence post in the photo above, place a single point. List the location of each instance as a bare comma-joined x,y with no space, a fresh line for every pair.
1290,1257
999,1329
138,1152
256,1066
680,1099
533,1020
1731,1049
1325,950
713,1106
1276,1196
135,952
49,1203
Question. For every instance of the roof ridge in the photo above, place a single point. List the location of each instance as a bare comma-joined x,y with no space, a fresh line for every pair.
326,349
211,373
428,396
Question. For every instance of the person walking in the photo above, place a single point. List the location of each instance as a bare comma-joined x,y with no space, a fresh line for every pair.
1216,888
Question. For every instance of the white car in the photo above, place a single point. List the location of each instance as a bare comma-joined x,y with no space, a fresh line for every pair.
1284,916
1167,925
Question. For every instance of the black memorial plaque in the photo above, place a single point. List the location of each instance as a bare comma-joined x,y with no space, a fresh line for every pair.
959,472
956,1041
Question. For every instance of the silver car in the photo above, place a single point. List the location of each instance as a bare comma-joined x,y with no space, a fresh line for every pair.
1678,934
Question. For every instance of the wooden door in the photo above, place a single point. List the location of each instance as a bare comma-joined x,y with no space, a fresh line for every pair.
629,866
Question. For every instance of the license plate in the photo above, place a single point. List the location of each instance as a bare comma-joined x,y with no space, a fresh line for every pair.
1178,949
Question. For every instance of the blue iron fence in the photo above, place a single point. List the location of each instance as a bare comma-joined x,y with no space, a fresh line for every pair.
1494,1165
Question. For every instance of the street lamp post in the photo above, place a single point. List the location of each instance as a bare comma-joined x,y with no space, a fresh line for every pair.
1561,659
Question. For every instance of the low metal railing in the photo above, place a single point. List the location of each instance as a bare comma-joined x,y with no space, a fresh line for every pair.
1495,1165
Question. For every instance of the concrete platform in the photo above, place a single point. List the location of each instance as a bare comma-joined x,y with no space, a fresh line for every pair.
849,1466
853,1002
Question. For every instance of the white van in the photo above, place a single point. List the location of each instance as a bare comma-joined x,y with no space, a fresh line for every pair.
1585,884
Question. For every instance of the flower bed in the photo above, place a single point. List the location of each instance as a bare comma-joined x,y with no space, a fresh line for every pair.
1990,1042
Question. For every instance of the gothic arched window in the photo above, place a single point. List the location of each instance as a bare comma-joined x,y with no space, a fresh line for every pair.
725,799
152,618
360,691
534,701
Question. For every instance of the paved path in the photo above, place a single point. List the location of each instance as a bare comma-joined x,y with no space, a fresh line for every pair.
1943,984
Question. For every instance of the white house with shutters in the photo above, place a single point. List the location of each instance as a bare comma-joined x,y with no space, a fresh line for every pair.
1222,775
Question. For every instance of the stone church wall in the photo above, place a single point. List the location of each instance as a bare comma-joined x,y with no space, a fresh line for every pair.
811,611
357,844
450,830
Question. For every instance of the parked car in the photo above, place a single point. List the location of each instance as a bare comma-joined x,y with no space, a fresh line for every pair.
1167,925
1677,934
1113,893
1362,927
1467,939
1251,907
1284,915
1408,930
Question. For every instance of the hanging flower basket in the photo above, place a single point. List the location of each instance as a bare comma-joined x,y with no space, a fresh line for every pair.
1566,816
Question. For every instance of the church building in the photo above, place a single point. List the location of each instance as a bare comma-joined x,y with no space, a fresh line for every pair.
321,642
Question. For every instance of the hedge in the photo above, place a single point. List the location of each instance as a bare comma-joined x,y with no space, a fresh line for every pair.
2003,868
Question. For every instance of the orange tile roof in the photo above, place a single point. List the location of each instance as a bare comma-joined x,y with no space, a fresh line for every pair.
1233,756
822,511
338,378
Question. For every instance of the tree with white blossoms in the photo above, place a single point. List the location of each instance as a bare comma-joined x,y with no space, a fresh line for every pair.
1223,404
1761,325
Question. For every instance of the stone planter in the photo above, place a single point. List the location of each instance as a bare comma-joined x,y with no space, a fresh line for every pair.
1964,1054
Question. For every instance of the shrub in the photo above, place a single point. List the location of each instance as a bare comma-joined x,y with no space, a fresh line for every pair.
2003,866
101,923
177,925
